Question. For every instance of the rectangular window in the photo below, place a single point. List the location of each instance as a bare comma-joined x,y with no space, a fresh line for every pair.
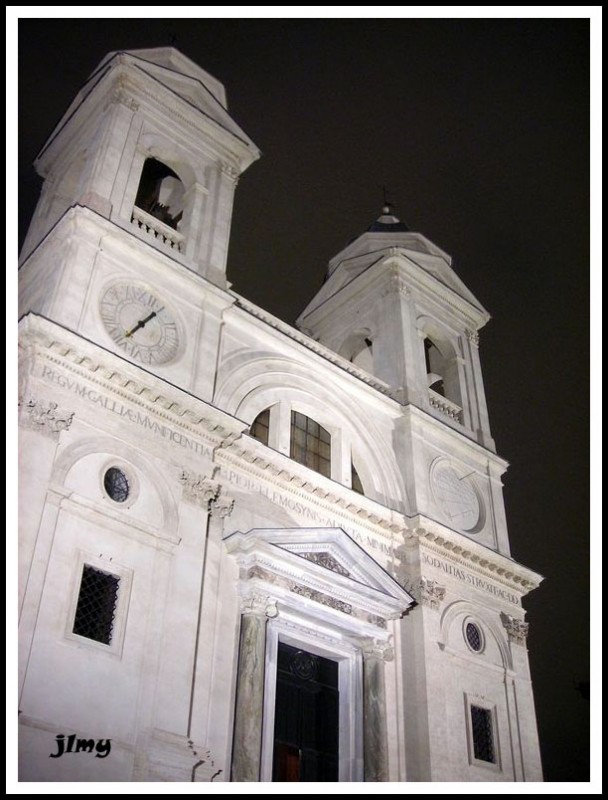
482,734
94,618
310,444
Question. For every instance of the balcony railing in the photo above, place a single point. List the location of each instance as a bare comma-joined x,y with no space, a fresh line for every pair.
157,229
444,405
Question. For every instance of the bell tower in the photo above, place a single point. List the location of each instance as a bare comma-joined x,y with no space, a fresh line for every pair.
148,144
129,239
393,306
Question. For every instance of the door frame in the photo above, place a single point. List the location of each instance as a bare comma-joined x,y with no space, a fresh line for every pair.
311,635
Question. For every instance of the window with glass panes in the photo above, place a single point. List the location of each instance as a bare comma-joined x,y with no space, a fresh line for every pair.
483,738
310,444
260,426
356,480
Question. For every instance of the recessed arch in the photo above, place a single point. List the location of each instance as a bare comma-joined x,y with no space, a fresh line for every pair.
249,385
460,610
79,450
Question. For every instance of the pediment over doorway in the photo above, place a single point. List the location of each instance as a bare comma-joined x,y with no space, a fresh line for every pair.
320,570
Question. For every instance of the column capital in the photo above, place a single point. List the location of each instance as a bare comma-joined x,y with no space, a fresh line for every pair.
431,593
221,505
381,649
198,489
257,603
46,418
472,336
517,629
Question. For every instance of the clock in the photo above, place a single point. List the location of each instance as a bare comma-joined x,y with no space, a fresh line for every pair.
140,323
457,498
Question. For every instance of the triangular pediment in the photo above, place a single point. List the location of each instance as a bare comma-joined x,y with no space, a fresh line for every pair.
199,89
323,566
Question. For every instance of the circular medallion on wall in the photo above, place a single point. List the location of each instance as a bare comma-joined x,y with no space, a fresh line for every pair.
140,323
457,497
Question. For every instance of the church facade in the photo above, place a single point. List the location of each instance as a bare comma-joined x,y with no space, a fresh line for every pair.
249,551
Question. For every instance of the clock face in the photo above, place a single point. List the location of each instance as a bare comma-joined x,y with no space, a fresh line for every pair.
456,497
140,323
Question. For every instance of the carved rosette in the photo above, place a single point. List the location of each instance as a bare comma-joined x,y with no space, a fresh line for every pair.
431,593
47,419
517,629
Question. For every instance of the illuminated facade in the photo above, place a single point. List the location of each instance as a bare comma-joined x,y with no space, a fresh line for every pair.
249,551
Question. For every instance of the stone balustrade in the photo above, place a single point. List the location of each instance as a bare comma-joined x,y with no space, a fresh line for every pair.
447,407
157,229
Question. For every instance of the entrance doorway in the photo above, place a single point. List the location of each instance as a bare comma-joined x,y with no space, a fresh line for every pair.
306,729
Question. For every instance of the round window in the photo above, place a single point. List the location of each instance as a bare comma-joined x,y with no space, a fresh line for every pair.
473,637
116,484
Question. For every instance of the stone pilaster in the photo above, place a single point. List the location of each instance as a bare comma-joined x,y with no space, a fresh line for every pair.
375,745
247,744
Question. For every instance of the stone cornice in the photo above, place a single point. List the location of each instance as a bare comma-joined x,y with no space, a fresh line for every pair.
461,551
58,346
293,479
310,344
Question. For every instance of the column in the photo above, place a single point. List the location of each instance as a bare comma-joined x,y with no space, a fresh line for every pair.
247,744
375,745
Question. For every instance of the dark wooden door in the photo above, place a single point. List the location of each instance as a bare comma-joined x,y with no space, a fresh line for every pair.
306,730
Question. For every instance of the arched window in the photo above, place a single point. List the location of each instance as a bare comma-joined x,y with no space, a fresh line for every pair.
358,349
160,193
310,444
356,484
260,426
435,365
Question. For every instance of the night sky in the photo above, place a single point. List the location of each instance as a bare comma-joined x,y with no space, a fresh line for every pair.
479,130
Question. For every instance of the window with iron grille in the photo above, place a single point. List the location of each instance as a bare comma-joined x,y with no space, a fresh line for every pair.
116,484
260,426
96,606
473,635
310,444
483,736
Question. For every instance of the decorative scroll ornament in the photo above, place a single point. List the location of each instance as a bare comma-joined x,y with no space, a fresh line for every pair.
325,559
472,336
320,597
431,593
198,489
47,419
257,603
517,629
312,594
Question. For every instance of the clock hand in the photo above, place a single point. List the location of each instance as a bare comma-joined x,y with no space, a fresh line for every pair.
143,322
